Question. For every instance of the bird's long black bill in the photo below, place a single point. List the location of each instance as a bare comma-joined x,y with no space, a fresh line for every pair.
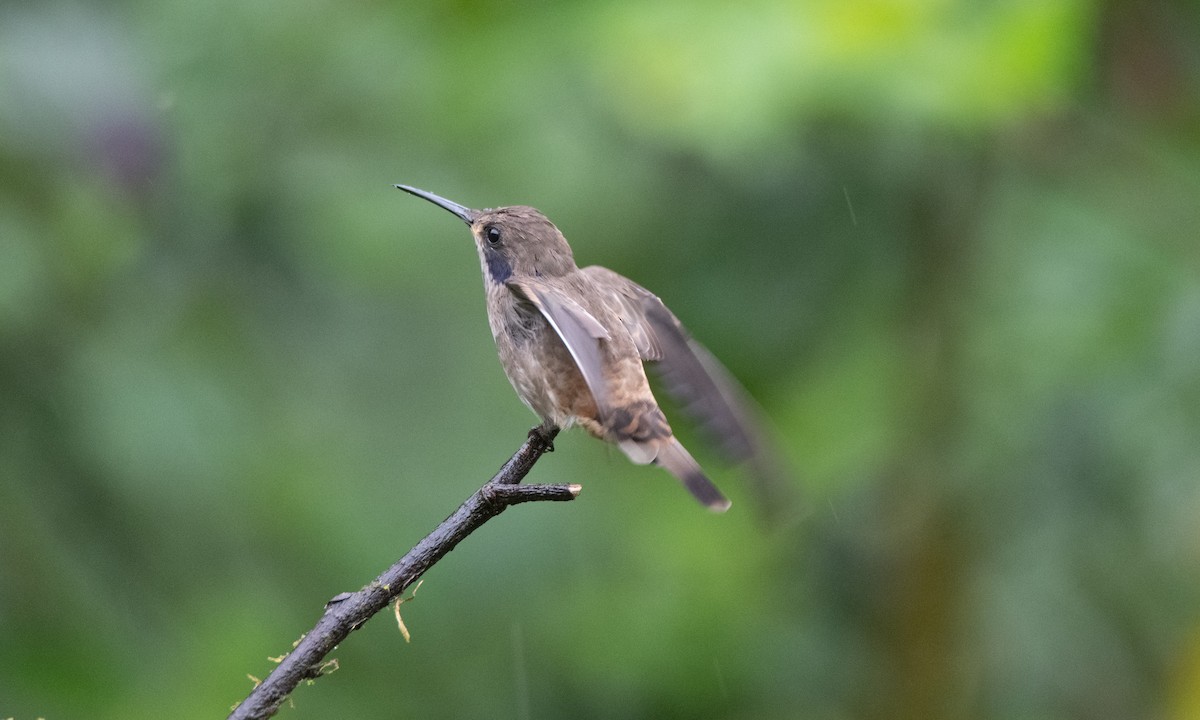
465,214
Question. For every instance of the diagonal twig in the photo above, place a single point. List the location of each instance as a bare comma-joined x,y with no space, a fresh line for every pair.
346,612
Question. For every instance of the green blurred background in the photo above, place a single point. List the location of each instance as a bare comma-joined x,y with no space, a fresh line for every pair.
951,246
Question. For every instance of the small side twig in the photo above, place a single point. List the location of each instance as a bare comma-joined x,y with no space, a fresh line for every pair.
348,611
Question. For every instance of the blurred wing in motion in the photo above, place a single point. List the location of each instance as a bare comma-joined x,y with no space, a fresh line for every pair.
582,333
699,384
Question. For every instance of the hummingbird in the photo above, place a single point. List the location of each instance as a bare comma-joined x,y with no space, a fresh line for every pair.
573,342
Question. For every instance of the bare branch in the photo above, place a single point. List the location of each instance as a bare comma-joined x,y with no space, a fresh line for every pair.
346,612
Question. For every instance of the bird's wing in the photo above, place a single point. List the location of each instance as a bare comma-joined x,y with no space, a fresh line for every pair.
692,376
694,379
579,331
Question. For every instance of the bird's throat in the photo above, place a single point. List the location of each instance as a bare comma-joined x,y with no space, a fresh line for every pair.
497,267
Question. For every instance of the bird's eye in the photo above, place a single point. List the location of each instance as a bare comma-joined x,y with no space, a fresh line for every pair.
493,234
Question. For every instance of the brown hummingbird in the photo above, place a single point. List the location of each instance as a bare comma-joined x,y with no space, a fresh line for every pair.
573,342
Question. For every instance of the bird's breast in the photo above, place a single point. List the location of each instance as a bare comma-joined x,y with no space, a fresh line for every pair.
536,361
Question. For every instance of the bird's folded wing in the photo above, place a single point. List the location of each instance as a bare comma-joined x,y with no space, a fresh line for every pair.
579,331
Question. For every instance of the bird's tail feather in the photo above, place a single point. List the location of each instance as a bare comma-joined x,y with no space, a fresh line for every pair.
678,461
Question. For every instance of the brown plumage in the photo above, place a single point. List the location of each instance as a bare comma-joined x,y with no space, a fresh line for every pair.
573,342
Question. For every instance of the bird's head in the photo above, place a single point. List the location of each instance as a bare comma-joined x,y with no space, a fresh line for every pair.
512,241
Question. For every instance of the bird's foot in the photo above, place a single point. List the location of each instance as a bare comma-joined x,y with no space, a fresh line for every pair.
544,434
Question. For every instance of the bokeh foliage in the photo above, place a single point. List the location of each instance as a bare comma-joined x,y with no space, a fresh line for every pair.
951,246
